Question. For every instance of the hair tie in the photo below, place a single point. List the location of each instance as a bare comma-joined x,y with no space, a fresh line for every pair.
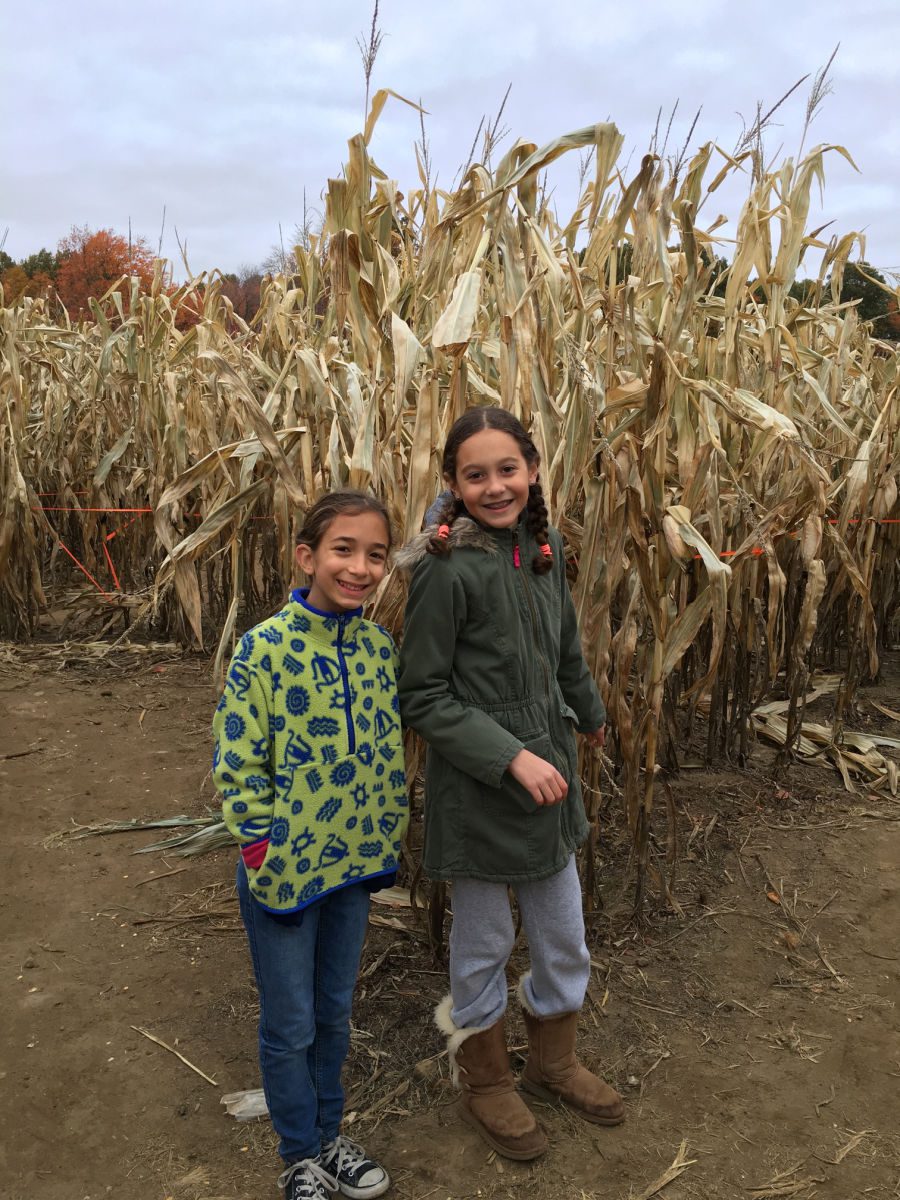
546,551
443,531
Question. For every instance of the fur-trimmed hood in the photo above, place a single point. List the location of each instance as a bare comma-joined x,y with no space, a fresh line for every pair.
463,532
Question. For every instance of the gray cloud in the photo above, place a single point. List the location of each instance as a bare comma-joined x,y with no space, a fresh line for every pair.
225,112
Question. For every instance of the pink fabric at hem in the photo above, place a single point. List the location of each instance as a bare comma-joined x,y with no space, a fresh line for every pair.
254,854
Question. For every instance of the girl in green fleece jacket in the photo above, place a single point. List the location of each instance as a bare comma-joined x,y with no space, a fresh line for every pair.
493,677
309,763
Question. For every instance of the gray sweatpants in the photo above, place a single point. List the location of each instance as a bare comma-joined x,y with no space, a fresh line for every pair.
482,937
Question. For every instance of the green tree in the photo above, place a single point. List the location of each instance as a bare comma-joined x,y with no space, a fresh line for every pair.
873,301
718,280
44,262
803,290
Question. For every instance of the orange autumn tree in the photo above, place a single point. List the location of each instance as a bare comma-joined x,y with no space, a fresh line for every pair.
91,263
15,284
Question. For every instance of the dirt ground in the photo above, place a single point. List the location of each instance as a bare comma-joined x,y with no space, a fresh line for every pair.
754,1035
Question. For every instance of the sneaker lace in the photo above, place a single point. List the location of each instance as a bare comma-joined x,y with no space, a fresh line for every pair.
343,1154
313,1184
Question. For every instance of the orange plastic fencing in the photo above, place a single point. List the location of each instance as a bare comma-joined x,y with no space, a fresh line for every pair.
757,551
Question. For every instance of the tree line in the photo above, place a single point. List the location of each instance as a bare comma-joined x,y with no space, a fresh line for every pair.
860,282
88,263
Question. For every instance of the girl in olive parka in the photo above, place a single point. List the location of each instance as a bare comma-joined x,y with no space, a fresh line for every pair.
493,677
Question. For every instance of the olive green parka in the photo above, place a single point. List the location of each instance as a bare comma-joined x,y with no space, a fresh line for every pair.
491,663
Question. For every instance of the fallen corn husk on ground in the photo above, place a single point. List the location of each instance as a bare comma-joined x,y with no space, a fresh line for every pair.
855,755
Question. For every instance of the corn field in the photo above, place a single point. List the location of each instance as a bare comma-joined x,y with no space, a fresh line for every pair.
724,467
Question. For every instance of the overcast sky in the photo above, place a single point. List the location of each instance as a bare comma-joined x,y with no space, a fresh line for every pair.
225,112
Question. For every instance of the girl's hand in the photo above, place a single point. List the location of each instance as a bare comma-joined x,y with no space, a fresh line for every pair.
598,737
539,778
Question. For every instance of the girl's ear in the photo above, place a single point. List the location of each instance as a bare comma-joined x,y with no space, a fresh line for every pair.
533,473
304,557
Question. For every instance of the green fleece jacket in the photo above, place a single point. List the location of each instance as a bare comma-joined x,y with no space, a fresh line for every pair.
491,663
309,755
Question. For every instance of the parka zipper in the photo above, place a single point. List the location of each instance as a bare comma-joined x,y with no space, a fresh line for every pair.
345,676
517,559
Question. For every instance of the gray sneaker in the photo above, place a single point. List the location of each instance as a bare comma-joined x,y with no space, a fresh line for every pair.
354,1174
306,1180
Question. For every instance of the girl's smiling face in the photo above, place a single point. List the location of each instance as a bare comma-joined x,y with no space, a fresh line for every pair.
348,563
492,478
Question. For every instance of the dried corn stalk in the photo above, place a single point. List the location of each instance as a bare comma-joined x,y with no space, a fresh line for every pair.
715,461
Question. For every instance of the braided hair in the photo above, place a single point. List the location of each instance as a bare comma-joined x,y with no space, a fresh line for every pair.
536,515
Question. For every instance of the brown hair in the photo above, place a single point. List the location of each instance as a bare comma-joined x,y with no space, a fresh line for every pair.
338,504
536,515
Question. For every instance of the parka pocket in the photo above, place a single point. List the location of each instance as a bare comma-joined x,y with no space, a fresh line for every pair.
540,745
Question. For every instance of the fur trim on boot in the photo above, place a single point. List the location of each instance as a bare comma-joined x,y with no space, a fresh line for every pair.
523,998
479,1066
454,1035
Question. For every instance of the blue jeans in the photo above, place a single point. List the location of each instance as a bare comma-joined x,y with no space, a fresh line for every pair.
305,971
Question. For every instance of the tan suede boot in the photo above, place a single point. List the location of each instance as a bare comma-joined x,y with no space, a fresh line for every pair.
479,1063
554,1073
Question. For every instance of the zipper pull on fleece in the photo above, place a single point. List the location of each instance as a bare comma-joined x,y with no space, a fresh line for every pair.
517,558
